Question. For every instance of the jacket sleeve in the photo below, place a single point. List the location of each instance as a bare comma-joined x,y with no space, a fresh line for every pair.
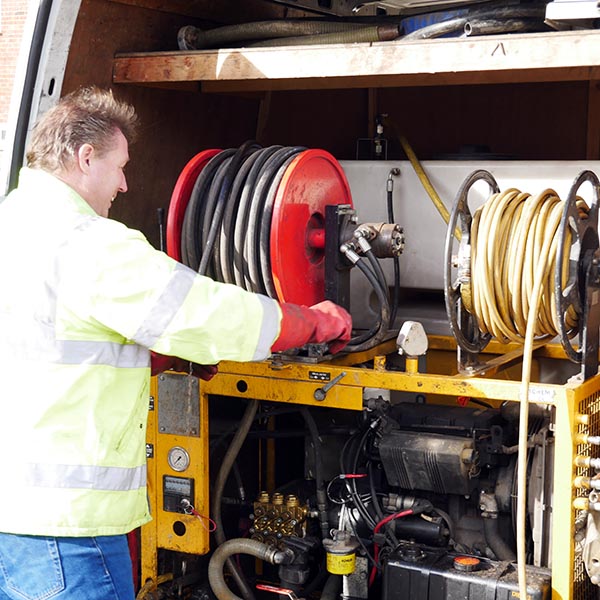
115,278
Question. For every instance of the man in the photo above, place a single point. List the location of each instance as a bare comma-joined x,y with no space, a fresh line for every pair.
84,302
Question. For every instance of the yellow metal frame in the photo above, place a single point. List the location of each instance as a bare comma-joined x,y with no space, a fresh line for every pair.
296,382
161,531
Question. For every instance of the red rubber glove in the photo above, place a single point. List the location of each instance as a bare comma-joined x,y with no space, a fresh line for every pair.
162,362
323,322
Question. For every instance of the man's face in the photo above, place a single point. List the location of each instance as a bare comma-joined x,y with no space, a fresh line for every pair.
105,176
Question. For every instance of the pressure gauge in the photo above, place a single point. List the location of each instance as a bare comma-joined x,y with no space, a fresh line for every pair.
178,458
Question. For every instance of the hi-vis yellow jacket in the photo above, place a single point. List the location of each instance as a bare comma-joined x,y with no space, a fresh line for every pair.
82,300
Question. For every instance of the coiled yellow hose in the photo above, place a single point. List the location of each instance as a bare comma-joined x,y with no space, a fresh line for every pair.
514,238
514,241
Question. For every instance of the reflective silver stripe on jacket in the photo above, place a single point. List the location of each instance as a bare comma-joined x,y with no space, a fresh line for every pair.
37,345
173,296
114,479
270,328
128,356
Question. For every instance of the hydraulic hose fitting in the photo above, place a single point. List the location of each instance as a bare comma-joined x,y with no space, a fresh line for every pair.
363,243
349,253
395,172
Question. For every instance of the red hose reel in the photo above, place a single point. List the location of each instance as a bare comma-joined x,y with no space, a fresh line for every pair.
311,181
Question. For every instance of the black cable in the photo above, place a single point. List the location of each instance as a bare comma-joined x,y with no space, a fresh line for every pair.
358,502
396,261
352,522
374,498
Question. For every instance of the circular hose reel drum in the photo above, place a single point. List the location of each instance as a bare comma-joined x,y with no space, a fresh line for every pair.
463,323
272,220
571,286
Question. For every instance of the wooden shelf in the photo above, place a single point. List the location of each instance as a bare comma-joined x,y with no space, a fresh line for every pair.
511,58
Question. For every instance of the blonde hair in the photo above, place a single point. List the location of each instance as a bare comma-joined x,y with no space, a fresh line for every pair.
89,115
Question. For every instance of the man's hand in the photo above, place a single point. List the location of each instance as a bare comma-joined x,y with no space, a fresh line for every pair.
161,362
320,323
333,324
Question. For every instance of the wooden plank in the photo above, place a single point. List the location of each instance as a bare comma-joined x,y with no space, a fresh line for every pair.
572,55
401,80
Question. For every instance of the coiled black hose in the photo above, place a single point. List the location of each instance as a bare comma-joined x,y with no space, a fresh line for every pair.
226,228
230,207
230,170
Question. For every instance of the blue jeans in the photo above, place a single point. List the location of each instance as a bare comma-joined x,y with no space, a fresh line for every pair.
45,568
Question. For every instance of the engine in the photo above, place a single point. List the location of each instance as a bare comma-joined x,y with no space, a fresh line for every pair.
402,488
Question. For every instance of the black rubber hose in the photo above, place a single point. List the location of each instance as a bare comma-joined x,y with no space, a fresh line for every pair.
396,262
206,219
240,262
232,169
493,539
382,329
190,238
372,331
322,506
332,588
252,246
317,581
458,23
379,274
229,223
266,219
493,26
230,199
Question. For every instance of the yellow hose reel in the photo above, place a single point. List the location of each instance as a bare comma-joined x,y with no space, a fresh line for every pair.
514,243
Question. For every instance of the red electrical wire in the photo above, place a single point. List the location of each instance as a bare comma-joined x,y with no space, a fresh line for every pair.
398,515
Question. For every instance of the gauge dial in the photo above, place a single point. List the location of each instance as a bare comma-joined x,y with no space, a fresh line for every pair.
178,458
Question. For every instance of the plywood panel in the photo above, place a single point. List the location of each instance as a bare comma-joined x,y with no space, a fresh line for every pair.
535,57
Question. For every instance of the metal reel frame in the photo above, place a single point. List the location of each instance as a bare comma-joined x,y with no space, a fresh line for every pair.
463,324
582,273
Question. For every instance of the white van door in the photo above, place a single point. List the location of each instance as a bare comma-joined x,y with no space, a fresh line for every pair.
38,78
